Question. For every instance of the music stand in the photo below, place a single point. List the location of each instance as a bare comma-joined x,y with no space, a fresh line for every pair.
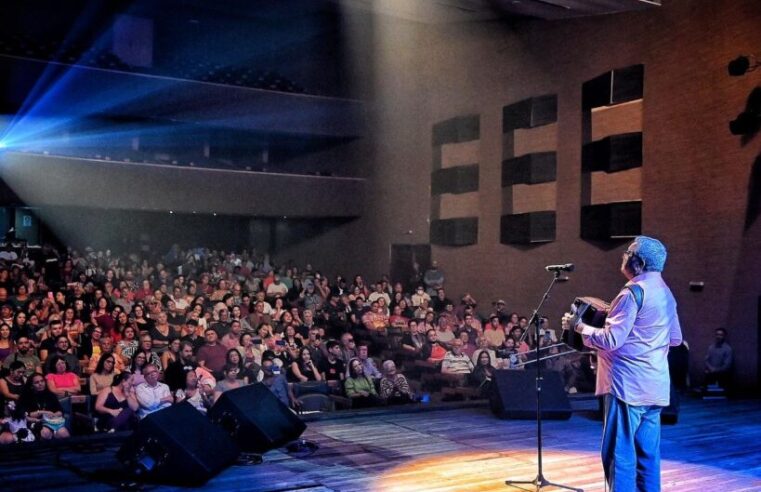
540,482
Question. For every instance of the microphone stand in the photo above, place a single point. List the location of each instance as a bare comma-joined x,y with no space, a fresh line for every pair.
540,482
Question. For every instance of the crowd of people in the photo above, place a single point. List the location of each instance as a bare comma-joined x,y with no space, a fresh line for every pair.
127,335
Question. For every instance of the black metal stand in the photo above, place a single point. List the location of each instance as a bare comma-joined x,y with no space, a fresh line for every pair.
540,482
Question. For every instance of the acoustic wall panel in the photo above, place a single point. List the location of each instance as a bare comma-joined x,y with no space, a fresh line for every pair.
528,228
530,113
612,155
459,129
460,179
455,181
454,232
607,221
529,171
614,87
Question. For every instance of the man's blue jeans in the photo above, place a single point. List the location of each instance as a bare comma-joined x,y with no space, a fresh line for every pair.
631,446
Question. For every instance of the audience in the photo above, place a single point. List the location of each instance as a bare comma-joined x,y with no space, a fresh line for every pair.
238,318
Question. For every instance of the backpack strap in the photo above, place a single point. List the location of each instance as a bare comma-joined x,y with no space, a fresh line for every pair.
638,293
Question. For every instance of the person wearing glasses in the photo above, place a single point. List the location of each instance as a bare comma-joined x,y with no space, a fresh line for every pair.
633,374
152,395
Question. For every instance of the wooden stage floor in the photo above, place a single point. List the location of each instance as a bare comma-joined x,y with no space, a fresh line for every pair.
716,446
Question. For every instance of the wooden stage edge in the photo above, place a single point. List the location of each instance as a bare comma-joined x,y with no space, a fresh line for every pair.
715,446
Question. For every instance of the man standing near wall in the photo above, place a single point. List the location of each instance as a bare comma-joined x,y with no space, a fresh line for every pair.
633,375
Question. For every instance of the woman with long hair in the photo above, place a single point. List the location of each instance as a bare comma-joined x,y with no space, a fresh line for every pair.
304,369
359,387
171,353
7,345
139,362
43,410
128,343
233,358
483,373
101,316
117,405
104,374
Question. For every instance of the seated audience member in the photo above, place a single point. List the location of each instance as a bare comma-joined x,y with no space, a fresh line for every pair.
483,373
212,355
456,362
63,382
468,326
446,324
245,374
348,347
151,394
232,337
116,405
62,349
174,376
43,411
192,335
230,380
359,387
25,354
304,369
368,364
11,387
250,351
199,393
146,348
137,368
521,347
414,339
468,345
394,388
7,345
313,342
47,346
106,348
275,380
420,296
374,320
432,351
127,344
718,361
494,333
104,374
171,353
398,319
483,346
511,359
333,368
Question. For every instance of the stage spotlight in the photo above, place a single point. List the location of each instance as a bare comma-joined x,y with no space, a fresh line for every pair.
745,123
741,65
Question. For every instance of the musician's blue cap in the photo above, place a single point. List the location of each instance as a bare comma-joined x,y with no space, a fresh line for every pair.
652,251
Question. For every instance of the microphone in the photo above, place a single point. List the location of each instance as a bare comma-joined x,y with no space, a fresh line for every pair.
568,267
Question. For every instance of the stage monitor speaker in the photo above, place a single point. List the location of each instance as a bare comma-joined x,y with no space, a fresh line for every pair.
177,445
256,419
513,395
